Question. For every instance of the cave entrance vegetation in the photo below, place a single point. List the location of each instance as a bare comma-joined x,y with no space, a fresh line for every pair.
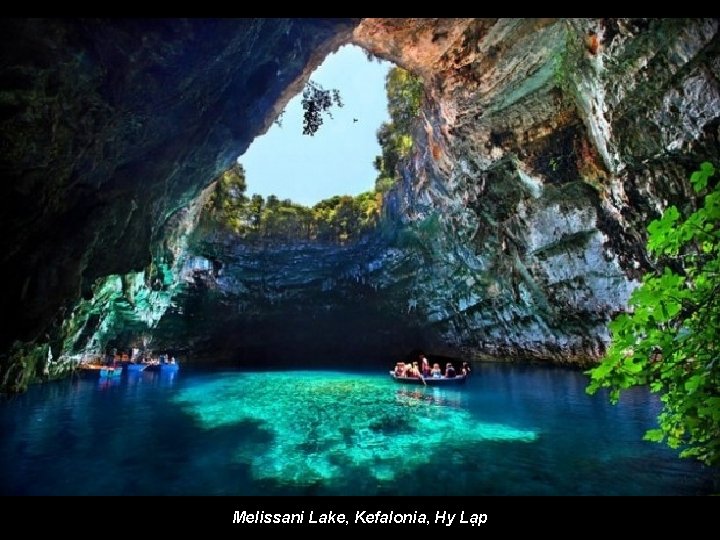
340,219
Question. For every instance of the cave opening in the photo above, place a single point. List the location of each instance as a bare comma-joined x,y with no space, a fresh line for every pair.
286,263
337,159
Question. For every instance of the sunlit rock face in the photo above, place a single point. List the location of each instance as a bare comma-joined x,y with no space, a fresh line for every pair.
545,148
108,129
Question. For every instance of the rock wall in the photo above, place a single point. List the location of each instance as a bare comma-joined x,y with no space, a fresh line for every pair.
302,304
545,148
108,128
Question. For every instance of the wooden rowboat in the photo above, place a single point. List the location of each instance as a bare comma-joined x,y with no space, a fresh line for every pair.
430,381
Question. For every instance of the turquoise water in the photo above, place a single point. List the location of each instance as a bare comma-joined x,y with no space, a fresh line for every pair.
510,430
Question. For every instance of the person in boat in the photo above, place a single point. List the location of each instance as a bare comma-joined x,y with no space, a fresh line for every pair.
436,373
408,370
415,371
449,371
466,370
425,366
400,369
172,360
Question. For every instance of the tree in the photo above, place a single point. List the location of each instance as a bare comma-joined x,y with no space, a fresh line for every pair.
226,205
339,219
316,101
257,204
272,202
669,340
404,92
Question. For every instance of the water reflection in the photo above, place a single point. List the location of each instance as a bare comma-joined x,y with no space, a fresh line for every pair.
159,378
167,378
108,382
431,395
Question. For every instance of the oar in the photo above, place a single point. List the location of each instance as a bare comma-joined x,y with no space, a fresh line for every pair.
420,370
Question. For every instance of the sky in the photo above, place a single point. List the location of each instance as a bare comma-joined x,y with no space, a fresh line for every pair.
338,159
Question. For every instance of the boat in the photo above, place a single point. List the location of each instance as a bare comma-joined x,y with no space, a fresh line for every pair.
110,372
100,370
430,381
135,368
162,368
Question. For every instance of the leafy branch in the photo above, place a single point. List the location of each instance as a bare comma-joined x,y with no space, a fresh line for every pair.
315,101
669,339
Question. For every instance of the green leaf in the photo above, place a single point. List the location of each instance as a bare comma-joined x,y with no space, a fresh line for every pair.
692,384
634,367
654,435
699,179
602,370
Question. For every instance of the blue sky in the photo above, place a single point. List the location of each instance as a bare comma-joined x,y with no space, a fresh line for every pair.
338,159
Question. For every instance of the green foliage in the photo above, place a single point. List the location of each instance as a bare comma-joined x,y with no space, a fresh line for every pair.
227,204
670,338
343,218
383,184
339,219
316,101
568,58
404,92
560,68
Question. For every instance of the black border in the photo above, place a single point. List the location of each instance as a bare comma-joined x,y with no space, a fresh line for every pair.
551,516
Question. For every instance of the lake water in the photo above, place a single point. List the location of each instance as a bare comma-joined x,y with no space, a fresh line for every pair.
510,430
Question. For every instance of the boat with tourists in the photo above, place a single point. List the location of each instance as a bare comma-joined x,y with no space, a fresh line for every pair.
429,381
99,370
419,372
163,365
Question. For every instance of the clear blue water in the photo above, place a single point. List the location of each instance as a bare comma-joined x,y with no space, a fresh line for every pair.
510,430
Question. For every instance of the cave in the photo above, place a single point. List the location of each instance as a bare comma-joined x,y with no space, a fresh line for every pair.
514,227
519,180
